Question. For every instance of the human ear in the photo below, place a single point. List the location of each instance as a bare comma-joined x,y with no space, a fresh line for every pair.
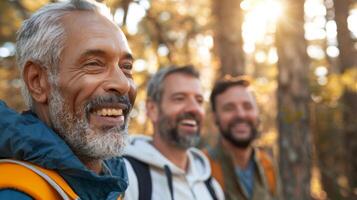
35,78
215,118
152,110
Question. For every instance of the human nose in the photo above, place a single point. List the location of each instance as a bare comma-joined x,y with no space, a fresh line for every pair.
240,112
117,82
193,106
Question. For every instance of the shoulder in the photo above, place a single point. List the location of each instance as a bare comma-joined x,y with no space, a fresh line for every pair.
199,157
214,156
132,190
14,194
139,138
138,146
263,157
217,188
213,152
269,168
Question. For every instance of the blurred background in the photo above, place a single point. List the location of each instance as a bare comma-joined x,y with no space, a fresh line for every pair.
302,55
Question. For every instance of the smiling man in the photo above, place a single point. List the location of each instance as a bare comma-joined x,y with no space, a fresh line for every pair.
76,69
167,166
244,172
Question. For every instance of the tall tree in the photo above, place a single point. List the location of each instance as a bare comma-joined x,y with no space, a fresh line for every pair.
293,100
228,36
348,64
329,148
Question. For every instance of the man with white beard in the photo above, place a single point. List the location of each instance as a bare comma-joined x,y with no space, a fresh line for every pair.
76,67
167,166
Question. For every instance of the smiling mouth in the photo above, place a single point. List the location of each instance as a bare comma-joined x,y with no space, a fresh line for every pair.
188,122
107,117
241,128
189,126
109,112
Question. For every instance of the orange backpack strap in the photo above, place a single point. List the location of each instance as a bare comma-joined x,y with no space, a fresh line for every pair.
216,169
35,181
269,171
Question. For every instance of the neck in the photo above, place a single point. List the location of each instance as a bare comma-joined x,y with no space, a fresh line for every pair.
175,155
240,156
94,165
42,113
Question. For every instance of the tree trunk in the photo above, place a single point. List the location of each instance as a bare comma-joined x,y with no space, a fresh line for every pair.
293,99
348,63
228,39
327,128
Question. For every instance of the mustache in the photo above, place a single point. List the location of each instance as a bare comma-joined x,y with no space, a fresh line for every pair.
238,120
111,100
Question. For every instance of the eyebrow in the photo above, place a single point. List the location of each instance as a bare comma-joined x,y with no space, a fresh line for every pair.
184,93
127,56
100,52
90,52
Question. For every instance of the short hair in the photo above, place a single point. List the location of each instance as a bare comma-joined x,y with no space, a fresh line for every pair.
155,86
225,83
41,38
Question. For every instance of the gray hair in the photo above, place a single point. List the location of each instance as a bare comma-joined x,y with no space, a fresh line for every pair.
155,86
41,38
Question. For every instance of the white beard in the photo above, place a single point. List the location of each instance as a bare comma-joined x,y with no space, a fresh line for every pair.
86,143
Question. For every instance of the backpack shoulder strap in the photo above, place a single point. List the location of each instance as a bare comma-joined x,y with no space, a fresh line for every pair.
142,170
216,168
33,180
269,171
209,186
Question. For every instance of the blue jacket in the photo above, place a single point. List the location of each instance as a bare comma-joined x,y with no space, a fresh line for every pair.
25,137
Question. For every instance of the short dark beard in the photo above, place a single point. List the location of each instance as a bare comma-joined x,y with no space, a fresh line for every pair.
238,143
168,130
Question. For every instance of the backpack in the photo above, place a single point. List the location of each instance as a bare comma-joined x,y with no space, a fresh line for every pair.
35,181
265,161
142,170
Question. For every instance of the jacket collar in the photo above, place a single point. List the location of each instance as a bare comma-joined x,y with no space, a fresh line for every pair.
25,137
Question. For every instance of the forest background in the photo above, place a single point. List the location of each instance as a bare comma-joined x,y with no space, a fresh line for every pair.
302,55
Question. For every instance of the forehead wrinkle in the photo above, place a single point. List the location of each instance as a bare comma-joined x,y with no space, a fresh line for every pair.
91,52
99,26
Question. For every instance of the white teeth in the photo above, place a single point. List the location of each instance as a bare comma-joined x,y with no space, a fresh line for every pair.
109,112
119,112
189,122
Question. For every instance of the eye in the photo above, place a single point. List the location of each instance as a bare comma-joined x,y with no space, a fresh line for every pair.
127,67
199,100
93,63
228,107
178,98
248,106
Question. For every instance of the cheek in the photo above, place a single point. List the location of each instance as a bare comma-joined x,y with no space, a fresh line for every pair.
202,112
76,95
224,119
132,92
170,113
253,117
171,109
